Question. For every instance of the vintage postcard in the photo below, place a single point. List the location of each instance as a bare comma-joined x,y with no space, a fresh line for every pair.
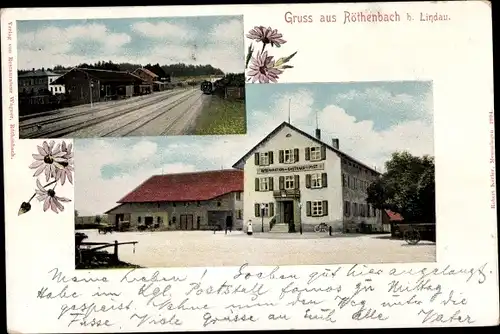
306,166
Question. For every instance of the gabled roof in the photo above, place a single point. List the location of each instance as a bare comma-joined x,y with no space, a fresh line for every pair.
102,75
38,73
186,187
305,134
145,70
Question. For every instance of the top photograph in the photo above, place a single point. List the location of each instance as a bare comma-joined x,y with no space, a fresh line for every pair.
131,77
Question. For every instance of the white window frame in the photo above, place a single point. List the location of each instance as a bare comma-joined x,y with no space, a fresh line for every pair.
263,184
316,181
288,156
315,153
289,182
266,209
264,159
317,208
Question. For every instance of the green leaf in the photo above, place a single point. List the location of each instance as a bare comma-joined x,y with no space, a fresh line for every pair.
286,66
284,60
249,55
287,59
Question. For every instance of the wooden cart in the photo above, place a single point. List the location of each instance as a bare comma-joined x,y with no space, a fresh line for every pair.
420,231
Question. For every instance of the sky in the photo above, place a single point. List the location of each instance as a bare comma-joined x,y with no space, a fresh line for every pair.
214,40
371,120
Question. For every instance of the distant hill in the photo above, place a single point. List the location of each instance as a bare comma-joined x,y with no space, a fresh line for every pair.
175,70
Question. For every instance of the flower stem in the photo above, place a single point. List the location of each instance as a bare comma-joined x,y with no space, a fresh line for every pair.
48,184
263,47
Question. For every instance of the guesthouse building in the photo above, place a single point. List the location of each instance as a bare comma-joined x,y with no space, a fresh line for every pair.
295,181
183,201
39,82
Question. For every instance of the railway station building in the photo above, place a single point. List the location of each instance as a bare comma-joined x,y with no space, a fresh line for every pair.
85,85
295,181
183,201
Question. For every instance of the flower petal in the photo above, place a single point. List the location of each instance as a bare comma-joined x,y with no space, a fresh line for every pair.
39,170
70,177
46,147
38,156
41,150
53,205
48,172
63,146
63,199
36,164
51,144
39,186
46,203
58,204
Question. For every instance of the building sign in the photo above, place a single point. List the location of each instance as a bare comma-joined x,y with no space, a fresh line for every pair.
291,169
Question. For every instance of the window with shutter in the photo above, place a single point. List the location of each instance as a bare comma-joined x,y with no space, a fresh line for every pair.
344,180
324,180
257,162
315,153
316,181
317,208
257,209
288,156
289,182
257,183
271,183
296,182
271,209
323,152
324,208
281,182
264,184
308,209
296,155
271,157
281,156
308,180
307,154
264,159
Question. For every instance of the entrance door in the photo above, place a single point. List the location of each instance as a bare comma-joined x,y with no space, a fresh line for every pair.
119,217
148,221
288,213
189,222
186,222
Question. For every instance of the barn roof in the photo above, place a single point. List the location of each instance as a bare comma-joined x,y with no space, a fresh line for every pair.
186,187
102,75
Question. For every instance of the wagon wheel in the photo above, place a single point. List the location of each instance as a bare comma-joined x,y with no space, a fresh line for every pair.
412,237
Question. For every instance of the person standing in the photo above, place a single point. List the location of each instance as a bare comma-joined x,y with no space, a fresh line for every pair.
249,228
229,223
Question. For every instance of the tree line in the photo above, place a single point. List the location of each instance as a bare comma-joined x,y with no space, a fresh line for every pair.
163,71
407,187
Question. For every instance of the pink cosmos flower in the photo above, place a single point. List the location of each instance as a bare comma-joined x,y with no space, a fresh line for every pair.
48,160
262,69
49,198
266,36
66,172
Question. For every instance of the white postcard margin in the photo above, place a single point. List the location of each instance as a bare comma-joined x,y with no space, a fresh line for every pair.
455,54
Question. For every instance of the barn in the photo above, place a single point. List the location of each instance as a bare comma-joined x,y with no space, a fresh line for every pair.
182,201
85,85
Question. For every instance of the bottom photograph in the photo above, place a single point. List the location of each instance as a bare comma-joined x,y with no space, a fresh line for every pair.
287,193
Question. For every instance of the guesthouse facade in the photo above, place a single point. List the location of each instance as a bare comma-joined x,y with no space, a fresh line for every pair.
296,180
183,201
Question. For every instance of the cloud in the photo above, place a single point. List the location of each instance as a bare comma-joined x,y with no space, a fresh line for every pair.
163,30
95,194
222,46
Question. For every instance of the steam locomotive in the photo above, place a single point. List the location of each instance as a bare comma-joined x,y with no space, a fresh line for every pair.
206,87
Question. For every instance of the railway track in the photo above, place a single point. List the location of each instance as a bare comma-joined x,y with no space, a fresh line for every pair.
55,133
177,119
26,127
136,124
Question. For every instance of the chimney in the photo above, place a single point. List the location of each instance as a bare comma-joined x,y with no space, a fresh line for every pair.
335,143
318,134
